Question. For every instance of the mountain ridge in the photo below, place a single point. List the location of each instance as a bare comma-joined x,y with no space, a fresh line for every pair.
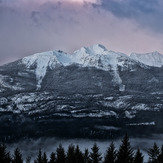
94,56
52,91
151,59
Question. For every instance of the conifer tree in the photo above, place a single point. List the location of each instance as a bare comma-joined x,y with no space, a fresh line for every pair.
78,155
61,158
8,158
86,156
95,156
28,159
4,156
138,158
153,154
39,157
125,153
52,158
70,154
160,157
17,157
44,158
110,156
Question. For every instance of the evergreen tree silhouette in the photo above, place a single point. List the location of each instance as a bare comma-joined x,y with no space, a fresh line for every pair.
95,156
61,158
4,156
39,157
78,155
70,154
125,153
86,156
17,157
28,159
52,158
138,158
160,157
110,156
8,158
44,158
153,154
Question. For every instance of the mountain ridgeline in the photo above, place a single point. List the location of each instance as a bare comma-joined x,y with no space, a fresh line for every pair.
94,93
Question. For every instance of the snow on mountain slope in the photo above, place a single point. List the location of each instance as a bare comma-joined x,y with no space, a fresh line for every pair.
96,56
99,57
41,61
151,59
5,84
45,60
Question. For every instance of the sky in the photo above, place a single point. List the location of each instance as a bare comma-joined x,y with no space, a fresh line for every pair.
31,26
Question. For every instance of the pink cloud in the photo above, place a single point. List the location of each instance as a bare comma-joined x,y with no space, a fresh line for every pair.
28,27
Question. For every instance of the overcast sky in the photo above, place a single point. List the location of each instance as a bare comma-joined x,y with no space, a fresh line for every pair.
30,26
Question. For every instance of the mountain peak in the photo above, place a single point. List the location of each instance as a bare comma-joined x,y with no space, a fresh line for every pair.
98,48
91,50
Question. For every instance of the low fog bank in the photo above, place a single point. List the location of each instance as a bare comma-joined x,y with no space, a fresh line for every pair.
30,147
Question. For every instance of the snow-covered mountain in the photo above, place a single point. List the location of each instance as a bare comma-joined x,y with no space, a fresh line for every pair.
96,56
92,83
151,59
56,70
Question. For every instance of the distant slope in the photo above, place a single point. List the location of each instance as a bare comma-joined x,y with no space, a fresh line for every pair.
151,59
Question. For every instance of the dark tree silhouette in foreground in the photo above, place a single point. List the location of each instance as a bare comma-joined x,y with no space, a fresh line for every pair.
44,158
17,156
39,157
95,156
70,154
78,155
160,157
125,153
4,156
86,156
52,158
154,153
110,156
138,158
28,159
61,158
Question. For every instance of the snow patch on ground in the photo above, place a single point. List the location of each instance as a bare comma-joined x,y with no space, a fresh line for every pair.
142,106
7,85
142,124
107,128
129,115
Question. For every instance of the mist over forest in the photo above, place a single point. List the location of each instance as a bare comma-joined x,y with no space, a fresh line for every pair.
30,147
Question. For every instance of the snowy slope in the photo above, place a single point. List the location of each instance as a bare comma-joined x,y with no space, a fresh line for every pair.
96,56
99,57
43,61
151,59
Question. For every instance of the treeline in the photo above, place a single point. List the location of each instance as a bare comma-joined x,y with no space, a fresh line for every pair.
125,154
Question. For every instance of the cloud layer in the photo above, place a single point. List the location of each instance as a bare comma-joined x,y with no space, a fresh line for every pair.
148,13
29,26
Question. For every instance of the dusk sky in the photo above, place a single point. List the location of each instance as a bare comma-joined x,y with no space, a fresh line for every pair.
30,26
